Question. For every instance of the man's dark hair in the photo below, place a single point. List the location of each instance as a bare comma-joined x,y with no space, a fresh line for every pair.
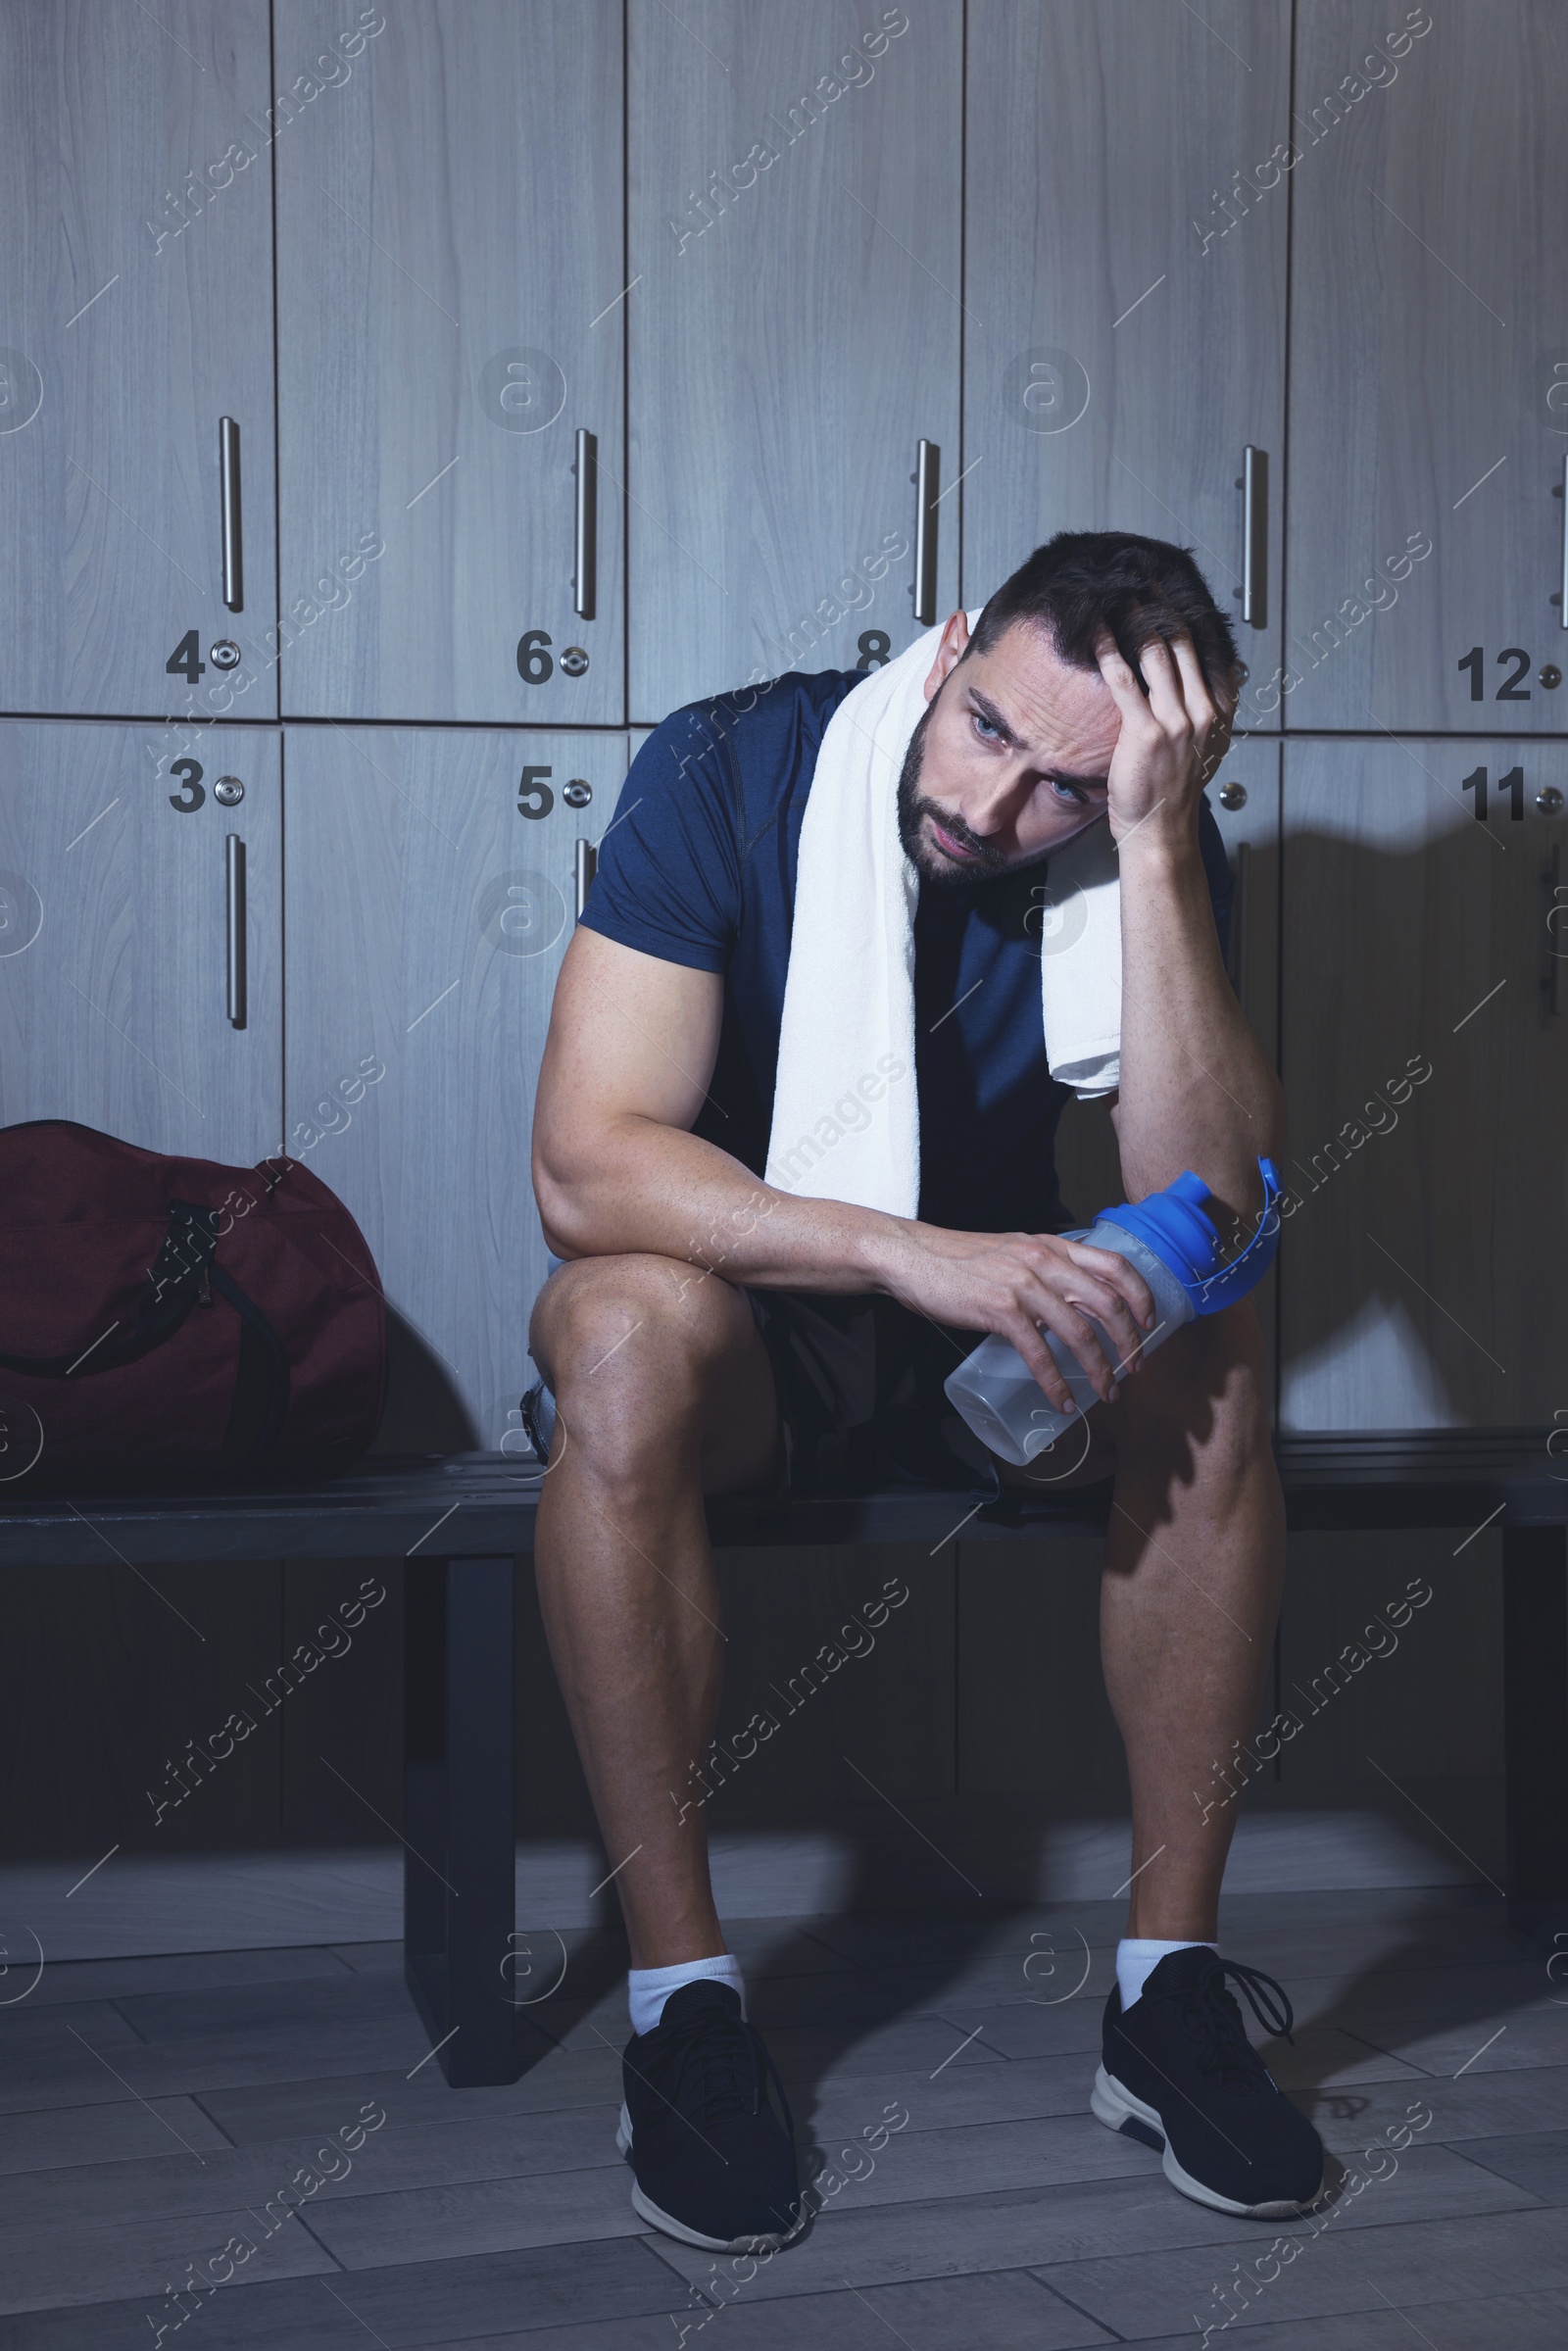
1140,588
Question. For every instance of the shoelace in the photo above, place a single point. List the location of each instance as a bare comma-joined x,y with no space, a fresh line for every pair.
726,2061
1212,2019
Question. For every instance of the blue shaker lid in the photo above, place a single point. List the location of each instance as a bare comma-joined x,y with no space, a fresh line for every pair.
1174,1225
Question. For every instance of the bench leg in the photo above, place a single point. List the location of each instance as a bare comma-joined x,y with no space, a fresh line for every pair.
459,1710
1534,1604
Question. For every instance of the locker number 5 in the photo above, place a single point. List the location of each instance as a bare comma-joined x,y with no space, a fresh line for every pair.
535,795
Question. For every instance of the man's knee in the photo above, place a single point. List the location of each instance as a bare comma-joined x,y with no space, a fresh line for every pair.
634,1324
1206,1388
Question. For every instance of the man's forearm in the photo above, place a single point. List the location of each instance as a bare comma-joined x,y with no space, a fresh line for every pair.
644,1188
1197,1089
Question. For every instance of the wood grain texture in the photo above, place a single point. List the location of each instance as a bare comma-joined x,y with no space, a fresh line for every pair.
785,359
114,1015
107,1675
148,2260
136,306
503,2214
805,1650
552,1794
889,1701
1425,1700
1411,1277
113,1007
451,213
1428,321
427,915
342,1728
1033,1712
1251,837
1100,140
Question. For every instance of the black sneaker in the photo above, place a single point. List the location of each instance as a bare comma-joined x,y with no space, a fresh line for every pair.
1181,2075
713,2163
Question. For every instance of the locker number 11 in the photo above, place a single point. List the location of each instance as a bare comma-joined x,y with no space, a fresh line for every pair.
1513,783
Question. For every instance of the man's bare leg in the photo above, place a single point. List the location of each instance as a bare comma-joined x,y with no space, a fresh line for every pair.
1194,1567
664,1391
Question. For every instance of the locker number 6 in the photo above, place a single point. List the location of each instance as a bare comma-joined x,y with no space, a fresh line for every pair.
534,664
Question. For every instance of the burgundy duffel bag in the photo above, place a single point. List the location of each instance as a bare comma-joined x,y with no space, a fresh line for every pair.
168,1322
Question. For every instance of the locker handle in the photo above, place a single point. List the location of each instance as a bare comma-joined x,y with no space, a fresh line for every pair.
1255,536
926,477
1562,584
586,543
234,881
1238,932
587,865
228,498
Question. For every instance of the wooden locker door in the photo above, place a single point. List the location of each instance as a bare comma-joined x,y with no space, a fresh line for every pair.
431,898
1425,1067
794,205
1429,369
1124,286
115,919
1250,826
450,317
114,1011
135,312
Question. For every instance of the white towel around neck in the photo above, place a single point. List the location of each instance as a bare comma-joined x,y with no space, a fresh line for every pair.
846,1120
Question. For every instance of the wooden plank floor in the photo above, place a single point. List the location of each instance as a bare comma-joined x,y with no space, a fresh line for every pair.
151,2110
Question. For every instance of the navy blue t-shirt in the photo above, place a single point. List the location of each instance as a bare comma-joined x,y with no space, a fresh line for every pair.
698,867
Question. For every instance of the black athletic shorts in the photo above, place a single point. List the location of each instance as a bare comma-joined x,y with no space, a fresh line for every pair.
858,1380
859,1393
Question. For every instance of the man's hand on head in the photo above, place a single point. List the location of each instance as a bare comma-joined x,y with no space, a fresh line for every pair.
1171,741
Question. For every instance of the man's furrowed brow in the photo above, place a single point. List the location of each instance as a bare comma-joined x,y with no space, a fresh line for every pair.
994,717
988,711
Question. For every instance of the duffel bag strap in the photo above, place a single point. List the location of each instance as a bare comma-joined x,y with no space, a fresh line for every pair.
179,1275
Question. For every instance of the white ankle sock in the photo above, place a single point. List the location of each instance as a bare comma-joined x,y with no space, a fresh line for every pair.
649,1988
1138,1955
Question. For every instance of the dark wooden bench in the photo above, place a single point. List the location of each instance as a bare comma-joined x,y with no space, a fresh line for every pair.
463,1522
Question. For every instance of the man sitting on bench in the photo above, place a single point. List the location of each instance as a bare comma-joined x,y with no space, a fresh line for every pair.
714,1329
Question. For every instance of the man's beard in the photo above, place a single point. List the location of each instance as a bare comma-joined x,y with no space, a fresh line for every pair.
930,863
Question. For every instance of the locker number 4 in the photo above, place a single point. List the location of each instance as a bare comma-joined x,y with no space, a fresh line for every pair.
186,659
